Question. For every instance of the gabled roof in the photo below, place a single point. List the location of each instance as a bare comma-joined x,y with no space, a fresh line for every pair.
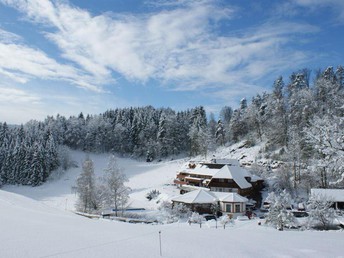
236,173
230,197
197,196
335,195
199,170
203,196
208,168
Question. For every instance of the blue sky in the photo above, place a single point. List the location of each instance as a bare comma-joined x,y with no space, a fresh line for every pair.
77,56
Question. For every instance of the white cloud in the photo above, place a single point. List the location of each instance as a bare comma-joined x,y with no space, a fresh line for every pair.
317,5
22,63
8,37
178,46
16,104
19,104
17,96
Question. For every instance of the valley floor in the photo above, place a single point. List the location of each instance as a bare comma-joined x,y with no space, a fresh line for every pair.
39,222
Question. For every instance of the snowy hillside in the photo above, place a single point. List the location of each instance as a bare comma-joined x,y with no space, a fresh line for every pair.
37,222
30,228
142,176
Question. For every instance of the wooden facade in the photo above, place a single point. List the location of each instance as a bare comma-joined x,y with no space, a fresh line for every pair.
219,178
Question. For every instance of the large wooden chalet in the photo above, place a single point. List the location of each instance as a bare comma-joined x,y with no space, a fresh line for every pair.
224,175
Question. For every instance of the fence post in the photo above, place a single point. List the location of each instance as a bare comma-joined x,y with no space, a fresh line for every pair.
160,242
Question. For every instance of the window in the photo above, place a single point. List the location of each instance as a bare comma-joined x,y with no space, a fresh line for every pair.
237,208
221,180
228,207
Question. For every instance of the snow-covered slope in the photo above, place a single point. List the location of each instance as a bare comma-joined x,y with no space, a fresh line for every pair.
142,176
37,222
32,229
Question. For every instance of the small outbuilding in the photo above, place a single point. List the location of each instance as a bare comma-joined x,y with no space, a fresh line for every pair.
232,203
202,201
334,195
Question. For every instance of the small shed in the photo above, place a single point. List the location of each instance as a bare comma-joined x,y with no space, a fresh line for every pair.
334,195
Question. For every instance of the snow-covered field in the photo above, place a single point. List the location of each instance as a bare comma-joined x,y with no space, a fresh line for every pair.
39,222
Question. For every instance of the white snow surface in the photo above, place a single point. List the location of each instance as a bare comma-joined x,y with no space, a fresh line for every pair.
39,222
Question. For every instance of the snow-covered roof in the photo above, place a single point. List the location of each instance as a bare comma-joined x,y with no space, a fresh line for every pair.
255,178
232,162
336,195
197,196
203,196
236,173
230,197
199,170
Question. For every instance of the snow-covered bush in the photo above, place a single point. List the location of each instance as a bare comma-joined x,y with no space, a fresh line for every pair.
196,218
283,179
172,213
320,212
226,220
153,194
278,215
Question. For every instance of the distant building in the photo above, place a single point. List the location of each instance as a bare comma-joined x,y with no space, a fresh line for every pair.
219,175
334,195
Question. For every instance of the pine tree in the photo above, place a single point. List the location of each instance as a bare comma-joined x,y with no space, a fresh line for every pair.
340,76
238,125
38,172
51,155
212,126
220,133
163,137
256,116
278,214
198,132
276,120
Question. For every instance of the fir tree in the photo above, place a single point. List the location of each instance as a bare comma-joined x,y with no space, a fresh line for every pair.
278,215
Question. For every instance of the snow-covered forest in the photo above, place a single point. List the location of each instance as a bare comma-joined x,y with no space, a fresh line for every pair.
298,122
297,126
